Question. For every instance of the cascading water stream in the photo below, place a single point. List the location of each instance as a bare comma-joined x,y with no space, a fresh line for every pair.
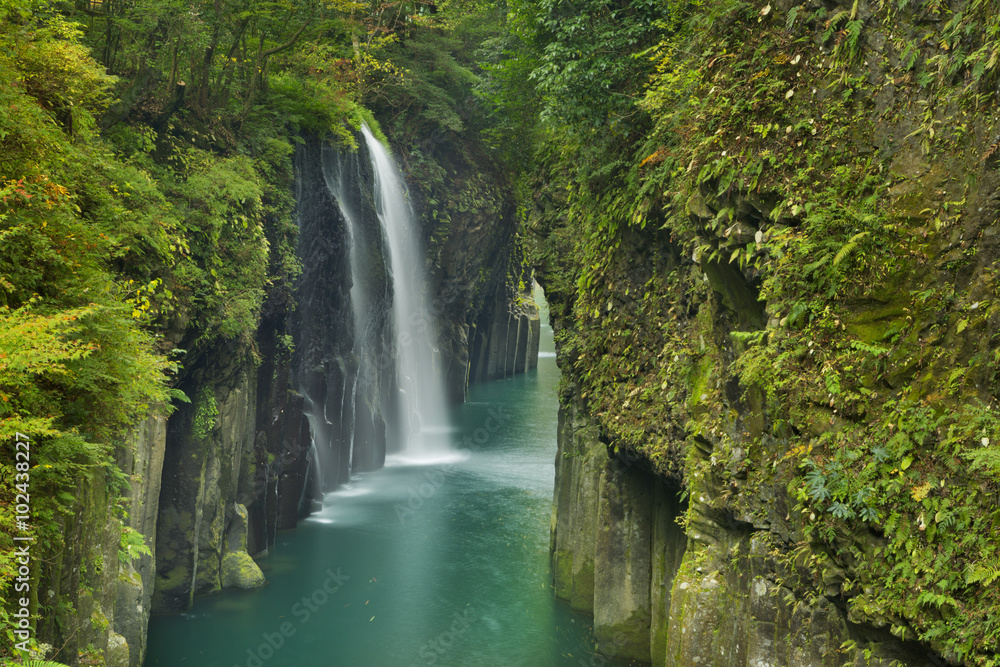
418,366
395,381
366,299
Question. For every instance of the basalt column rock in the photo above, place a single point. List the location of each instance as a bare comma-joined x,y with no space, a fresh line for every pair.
669,544
208,457
282,438
580,459
615,542
323,322
622,562
456,359
142,460
505,340
238,568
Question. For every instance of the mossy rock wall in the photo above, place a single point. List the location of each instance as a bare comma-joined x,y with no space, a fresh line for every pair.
791,319
714,595
208,462
107,601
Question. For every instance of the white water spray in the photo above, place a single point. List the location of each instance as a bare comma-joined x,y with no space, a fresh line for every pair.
418,362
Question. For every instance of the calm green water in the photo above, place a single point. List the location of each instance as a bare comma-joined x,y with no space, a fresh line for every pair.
417,564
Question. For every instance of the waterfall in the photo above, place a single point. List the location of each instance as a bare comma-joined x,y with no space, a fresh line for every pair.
371,297
418,364
369,365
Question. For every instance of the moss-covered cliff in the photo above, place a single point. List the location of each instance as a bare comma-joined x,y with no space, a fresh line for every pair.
781,300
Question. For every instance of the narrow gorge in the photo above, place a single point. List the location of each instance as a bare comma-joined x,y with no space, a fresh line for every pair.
540,333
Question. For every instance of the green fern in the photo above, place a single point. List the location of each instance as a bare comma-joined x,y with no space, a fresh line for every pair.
793,14
853,30
833,22
984,573
849,247
987,457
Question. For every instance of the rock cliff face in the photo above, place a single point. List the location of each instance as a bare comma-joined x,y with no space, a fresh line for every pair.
713,594
142,460
282,433
111,601
208,465
349,389
504,340
799,350
616,543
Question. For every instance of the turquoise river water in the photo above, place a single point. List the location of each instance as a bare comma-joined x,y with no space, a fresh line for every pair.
420,563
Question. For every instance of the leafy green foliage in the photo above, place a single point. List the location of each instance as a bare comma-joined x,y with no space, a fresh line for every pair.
221,277
797,330
510,104
908,480
205,412
76,367
433,98
585,70
132,546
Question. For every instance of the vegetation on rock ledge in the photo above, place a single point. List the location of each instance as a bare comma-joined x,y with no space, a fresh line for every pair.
769,254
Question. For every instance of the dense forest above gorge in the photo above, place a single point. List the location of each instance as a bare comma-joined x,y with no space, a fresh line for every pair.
767,232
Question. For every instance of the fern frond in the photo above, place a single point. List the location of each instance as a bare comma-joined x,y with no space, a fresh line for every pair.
851,245
984,573
985,458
